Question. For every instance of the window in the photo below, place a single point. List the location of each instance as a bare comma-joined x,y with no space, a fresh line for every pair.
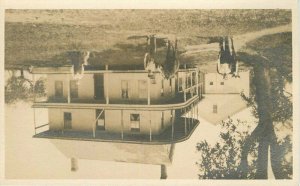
100,125
215,109
162,88
189,80
143,89
211,83
180,84
74,88
58,89
124,87
194,78
222,83
67,120
135,122
162,119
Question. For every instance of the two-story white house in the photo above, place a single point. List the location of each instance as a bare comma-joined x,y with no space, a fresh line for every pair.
126,105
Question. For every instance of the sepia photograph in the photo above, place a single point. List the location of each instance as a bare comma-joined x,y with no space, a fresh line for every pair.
151,94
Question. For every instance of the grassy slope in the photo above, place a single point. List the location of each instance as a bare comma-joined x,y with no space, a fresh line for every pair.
277,48
35,36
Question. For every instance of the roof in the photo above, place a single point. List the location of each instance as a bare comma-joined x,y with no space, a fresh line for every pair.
111,151
228,105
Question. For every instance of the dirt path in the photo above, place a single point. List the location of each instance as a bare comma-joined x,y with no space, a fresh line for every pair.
239,41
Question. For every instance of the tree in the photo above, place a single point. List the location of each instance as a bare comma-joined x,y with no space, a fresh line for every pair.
271,69
21,88
270,58
221,161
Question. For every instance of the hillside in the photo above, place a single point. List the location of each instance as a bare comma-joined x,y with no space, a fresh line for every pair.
39,37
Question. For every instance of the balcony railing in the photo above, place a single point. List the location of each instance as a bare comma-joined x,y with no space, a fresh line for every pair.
180,97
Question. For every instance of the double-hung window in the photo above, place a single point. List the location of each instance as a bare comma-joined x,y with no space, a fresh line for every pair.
135,122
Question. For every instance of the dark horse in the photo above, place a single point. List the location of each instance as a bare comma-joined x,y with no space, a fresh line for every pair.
227,62
170,65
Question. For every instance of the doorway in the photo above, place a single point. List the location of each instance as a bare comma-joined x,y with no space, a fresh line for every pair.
67,120
99,86
100,116
58,89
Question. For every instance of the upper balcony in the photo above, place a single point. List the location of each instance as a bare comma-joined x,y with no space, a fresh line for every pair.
117,87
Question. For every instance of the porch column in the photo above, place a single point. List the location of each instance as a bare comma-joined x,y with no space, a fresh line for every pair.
34,121
191,117
150,132
197,112
33,81
107,92
172,120
195,105
192,78
185,121
197,83
122,125
177,79
62,123
192,113
106,67
200,93
93,127
148,93
184,95
68,86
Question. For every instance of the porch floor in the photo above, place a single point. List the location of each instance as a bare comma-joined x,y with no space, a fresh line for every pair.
163,138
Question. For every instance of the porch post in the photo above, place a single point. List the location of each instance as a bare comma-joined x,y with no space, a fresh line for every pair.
68,86
188,119
34,121
185,121
192,113
191,117
197,83
172,125
191,78
197,113
122,125
200,92
148,93
107,92
93,127
184,95
33,79
150,132
62,123
177,78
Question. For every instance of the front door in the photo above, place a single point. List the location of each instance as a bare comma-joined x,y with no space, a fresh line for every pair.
67,120
58,89
99,86
100,116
